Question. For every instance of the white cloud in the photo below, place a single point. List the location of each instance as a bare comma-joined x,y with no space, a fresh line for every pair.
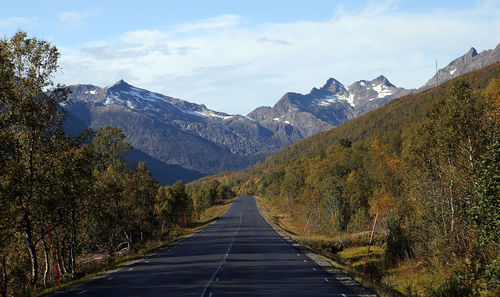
75,16
219,22
233,68
16,22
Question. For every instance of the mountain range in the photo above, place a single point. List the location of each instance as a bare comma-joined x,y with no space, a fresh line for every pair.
183,140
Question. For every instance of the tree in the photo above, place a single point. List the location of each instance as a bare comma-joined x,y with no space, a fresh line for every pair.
32,120
172,204
441,157
108,208
139,198
72,169
483,206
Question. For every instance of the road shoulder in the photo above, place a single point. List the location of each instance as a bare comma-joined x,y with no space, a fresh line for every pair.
336,273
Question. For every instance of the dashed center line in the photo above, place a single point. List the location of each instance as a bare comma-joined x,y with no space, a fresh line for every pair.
223,260
131,268
314,269
326,280
110,278
305,260
81,292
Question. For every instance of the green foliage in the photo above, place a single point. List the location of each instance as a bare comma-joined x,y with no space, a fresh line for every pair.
110,147
173,204
427,163
397,247
81,187
483,207
206,194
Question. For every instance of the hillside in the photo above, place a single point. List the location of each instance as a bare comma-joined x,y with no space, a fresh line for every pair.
397,114
427,163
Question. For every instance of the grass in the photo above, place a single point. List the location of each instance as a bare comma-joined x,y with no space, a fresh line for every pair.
350,259
413,277
101,266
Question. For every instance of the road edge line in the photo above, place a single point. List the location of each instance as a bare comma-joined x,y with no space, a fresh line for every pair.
336,273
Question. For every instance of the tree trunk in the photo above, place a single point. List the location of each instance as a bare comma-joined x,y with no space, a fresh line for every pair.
307,224
72,244
63,257
3,284
31,249
47,265
58,258
129,240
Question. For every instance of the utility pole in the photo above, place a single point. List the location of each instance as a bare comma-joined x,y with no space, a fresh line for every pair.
54,257
369,245
437,77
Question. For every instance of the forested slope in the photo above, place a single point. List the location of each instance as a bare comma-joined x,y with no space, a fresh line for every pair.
397,114
427,163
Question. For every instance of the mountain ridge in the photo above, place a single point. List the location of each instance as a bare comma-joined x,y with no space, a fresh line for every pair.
177,132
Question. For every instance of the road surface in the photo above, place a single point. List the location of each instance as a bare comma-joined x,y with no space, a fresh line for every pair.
239,255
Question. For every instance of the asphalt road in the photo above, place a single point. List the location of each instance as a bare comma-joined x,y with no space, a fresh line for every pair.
239,255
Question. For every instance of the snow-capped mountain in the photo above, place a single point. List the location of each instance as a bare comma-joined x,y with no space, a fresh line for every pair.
328,106
132,98
174,131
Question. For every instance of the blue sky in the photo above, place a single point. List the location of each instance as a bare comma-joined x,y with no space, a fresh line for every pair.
234,56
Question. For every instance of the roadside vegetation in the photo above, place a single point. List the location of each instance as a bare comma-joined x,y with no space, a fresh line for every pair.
100,209
428,163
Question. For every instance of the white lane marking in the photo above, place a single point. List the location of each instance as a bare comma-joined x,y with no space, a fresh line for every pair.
298,255
314,269
131,268
343,295
222,262
81,292
110,278
305,261
217,279
210,295
147,261
326,280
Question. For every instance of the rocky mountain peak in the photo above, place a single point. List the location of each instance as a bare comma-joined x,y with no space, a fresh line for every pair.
332,85
471,53
382,80
120,85
468,62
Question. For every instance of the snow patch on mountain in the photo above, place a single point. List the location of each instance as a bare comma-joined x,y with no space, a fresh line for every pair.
195,113
130,105
382,90
212,114
328,100
109,101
